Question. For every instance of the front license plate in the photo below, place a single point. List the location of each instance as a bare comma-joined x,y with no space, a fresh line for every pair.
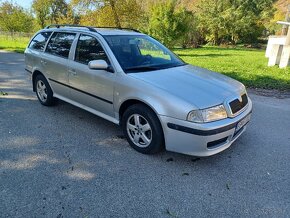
243,122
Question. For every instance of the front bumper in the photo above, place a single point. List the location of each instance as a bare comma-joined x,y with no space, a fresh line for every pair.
203,139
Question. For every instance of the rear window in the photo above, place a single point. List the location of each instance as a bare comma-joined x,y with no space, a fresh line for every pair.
60,44
39,41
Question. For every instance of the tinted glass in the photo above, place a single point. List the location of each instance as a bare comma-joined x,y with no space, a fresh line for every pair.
60,44
89,49
39,41
142,53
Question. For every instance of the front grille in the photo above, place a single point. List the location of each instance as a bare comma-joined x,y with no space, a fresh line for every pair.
236,105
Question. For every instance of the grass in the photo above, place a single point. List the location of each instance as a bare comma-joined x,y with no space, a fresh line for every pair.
246,65
16,44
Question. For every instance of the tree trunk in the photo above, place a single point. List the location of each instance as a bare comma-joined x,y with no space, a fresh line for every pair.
42,20
216,37
116,18
287,19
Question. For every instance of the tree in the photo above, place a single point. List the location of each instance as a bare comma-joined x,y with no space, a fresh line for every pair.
281,7
117,13
69,17
233,20
51,11
14,18
112,4
58,8
41,9
192,36
255,15
99,17
97,4
167,23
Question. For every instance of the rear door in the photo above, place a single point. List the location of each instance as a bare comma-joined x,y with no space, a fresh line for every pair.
92,88
55,62
35,49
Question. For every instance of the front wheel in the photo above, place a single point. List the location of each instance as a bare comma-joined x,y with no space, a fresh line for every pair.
142,129
43,91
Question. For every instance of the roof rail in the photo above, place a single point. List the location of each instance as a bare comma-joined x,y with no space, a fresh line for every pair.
119,28
89,27
70,25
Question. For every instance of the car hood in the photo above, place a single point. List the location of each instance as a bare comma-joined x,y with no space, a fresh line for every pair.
198,86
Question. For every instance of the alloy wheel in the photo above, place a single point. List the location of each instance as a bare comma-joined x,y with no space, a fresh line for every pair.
41,90
139,130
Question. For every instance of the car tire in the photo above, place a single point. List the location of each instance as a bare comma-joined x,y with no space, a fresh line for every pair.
142,129
43,91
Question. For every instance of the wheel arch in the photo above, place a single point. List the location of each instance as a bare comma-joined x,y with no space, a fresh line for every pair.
129,102
34,75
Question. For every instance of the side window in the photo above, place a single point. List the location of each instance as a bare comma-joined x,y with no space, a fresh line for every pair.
89,49
60,43
39,41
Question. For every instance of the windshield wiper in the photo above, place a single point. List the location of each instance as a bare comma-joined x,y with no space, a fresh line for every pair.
152,68
142,68
172,65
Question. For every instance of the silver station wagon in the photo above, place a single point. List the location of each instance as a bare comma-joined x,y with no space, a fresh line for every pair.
134,81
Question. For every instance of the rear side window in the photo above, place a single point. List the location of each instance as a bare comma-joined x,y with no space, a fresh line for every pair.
60,43
39,41
89,49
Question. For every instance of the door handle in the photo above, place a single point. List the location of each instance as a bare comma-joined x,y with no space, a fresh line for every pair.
72,72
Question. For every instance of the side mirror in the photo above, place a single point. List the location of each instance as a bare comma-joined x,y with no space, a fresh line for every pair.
100,65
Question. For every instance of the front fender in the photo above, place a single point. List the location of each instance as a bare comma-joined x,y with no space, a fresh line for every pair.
163,103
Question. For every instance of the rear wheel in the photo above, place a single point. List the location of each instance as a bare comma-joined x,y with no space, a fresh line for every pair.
43,91
142,129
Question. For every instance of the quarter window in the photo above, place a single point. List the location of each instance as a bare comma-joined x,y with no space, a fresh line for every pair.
39,41
89,49
60,44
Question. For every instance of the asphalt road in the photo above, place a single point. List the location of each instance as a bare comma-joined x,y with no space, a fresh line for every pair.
62,161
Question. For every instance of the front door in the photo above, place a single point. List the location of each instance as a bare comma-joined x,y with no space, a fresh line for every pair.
91,88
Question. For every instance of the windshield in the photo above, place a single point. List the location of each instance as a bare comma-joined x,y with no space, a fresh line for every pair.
141,53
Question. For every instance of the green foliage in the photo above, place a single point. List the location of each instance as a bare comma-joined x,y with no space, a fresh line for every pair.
41,9
212,23
280,7
168,23
223,21
131,14
116,13
191,37
101,17
58,9
53,11
69,16
14,18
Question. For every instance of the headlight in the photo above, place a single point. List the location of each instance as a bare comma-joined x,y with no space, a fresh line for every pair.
208,115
